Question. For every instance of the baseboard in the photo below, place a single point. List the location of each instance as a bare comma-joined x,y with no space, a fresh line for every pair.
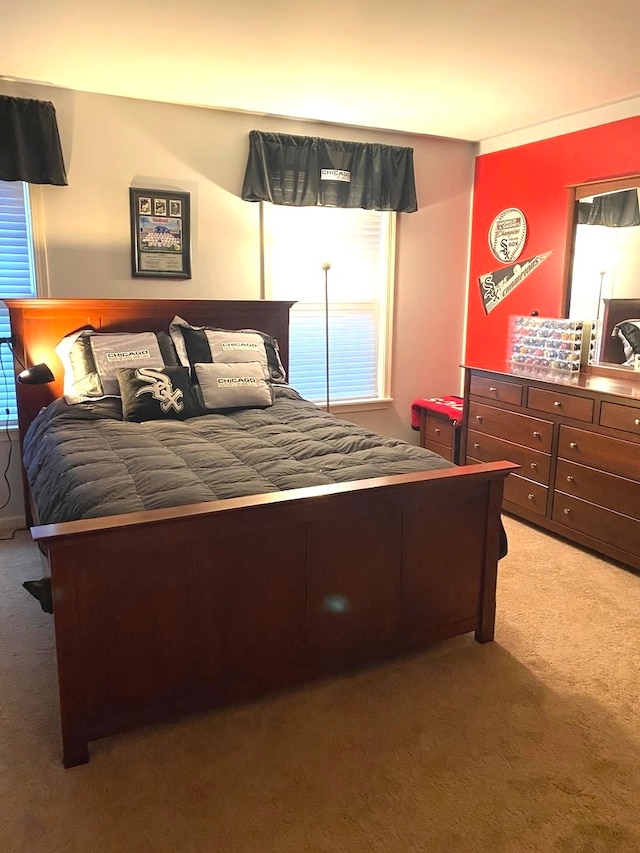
9,523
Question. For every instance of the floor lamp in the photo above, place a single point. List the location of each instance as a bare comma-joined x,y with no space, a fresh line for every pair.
326,266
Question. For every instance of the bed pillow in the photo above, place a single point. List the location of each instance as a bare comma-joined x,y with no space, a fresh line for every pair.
204,344
156,393
91,359
233,386
81,381
629,333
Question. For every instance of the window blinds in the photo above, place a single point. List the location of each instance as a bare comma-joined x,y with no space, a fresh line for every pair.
16,277
297,241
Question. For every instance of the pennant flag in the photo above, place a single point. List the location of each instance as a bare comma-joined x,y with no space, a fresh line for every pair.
494,286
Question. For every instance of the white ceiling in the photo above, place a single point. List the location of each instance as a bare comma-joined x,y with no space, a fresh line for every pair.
469,69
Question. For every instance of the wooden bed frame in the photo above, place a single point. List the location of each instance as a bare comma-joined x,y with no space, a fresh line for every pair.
171,611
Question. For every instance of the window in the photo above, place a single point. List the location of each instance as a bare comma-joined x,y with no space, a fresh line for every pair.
17,277
359,246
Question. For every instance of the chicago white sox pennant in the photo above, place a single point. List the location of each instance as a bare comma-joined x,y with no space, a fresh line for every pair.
494,286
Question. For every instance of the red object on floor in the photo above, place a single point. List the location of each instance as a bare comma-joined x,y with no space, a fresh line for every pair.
449,406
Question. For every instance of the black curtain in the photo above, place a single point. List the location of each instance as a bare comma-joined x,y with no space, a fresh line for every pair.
30,147
615,210
308,170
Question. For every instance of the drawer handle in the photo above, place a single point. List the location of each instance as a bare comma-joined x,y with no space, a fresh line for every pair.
479,418
637,422
437,430
476,446
531,496
493,390
566,511
534,465
573,444
569,478
557,403
536,434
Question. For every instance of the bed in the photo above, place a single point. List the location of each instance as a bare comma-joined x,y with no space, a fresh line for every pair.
176,609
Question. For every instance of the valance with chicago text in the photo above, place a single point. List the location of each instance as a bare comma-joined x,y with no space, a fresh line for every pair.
309,170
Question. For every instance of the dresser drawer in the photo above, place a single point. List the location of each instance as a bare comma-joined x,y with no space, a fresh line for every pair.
440,449
626,418
521,429
487,448
615,529
567,405
525,493
437,429
600,451
608,490
496,389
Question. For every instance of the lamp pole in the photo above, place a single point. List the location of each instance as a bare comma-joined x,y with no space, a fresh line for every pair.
326,266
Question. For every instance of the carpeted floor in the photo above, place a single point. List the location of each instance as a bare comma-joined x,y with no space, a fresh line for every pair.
530,743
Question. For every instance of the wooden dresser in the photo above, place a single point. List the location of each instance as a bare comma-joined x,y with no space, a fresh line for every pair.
577,440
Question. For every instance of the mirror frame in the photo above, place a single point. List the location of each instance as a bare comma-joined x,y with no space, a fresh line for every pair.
576,193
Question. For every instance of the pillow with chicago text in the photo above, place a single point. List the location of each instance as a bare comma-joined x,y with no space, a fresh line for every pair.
233,386
91,359
157,393
204,344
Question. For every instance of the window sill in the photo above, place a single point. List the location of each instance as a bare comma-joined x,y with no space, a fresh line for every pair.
358,405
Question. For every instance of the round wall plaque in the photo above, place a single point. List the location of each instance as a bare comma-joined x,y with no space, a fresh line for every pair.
507,234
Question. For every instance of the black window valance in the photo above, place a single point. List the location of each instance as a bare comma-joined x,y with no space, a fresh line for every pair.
30,147
615,210
308,170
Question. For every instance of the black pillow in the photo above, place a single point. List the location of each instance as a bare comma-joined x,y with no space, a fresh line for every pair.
629,333
153,393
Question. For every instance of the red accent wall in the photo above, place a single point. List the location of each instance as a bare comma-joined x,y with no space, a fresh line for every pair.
536,178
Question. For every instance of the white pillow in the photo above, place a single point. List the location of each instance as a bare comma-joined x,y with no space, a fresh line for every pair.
232,386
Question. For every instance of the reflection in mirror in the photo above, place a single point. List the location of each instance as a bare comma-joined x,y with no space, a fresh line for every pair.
605,276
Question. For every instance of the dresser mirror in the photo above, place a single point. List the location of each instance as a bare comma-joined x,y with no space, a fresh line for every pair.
604,275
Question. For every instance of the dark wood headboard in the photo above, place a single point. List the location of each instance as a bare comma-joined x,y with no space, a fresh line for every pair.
37,325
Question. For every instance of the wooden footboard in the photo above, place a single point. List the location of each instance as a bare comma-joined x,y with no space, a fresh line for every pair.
172,611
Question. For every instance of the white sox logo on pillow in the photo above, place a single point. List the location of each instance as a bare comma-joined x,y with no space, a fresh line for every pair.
161,389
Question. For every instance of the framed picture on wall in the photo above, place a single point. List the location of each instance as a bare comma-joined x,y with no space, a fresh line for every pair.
160,233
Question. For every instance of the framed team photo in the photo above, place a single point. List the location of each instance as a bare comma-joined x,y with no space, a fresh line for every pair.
160,233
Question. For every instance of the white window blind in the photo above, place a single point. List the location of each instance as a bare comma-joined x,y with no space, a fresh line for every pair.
359,246
17,277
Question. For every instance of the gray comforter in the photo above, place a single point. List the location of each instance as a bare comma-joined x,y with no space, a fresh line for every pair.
83,461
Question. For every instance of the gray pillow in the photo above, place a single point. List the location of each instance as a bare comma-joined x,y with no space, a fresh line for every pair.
233,386
91,360
203,344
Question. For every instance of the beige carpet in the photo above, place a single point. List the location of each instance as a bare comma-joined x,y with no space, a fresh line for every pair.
530,743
